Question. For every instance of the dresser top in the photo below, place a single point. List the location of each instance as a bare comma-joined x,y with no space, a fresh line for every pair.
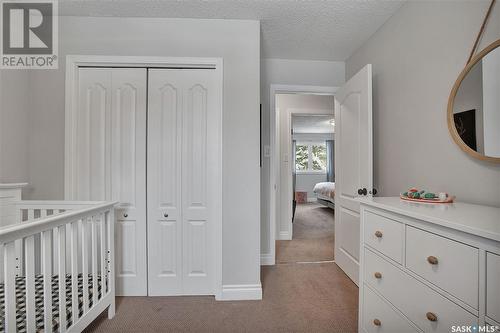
483,221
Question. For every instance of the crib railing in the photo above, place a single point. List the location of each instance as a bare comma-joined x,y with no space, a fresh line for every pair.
64,251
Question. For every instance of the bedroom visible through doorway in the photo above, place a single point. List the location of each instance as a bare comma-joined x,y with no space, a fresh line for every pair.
307,177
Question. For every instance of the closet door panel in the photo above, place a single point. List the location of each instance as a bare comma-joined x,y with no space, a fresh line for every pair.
128,178
164,184
94,106
198,158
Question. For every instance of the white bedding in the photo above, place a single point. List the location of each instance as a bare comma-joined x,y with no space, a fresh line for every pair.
326,189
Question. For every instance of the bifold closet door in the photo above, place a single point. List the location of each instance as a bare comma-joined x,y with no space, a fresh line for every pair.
183,163
108,161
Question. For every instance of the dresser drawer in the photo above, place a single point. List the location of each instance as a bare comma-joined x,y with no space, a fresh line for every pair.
450,265
413,298
384,235
380,317
493,286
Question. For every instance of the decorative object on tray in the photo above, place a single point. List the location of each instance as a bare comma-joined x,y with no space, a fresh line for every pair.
414,194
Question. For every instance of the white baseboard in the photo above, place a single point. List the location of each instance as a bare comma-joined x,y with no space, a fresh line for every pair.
241,292
284,235
266,259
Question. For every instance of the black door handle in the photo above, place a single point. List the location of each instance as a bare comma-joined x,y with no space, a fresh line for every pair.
374,191
362,191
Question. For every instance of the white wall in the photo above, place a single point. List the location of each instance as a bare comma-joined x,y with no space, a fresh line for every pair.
14,133
238,42
417,56
491,102
289,72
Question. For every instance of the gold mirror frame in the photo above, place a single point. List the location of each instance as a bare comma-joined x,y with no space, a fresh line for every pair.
451,122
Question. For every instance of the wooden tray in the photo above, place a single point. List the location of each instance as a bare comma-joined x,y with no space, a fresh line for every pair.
448,200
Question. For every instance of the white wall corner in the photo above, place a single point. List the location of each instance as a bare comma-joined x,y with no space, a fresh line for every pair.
241,292
285,235
266,259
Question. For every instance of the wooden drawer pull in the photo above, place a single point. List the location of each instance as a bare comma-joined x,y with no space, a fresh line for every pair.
431,316
377,322
378,275
432,260
378,234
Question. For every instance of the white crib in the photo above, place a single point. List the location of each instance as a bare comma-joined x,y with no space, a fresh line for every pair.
46,240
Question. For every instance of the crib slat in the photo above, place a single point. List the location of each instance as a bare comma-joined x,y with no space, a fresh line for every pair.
85,266
47,280
61,251
29,253
102,229
31,214
74,270
10,287
94,260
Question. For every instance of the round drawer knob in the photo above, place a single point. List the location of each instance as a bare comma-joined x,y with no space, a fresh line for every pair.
431,316
378,234
378,275
432,260
377,322
125,215
165,215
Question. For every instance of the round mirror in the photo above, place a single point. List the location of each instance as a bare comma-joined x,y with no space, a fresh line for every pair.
474,106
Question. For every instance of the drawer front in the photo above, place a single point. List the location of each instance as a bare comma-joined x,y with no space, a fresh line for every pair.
379,316
493,286
414,299
384,235
450,265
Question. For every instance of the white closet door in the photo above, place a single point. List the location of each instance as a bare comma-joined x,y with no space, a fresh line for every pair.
183,167
110,162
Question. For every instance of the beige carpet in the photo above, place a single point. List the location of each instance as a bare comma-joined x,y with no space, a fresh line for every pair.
313,235
297,298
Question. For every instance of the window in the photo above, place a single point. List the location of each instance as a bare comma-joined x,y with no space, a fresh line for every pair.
310,157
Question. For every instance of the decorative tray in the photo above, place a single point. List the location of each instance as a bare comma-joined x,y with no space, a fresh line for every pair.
422,196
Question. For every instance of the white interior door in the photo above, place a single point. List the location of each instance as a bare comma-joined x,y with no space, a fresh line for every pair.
183,168
109,161
353,167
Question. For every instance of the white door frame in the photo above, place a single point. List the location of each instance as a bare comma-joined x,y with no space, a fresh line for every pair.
74,62
275,160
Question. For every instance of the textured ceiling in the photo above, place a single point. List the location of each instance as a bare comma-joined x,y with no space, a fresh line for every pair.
313,29
312,124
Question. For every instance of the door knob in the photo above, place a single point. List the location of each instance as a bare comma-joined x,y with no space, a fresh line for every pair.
362,191
374,191
165,215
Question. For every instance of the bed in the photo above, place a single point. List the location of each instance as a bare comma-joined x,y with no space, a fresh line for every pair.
325,192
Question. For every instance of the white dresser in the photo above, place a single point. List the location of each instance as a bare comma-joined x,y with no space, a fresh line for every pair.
428,267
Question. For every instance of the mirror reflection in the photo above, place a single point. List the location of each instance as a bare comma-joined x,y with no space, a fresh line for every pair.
476,108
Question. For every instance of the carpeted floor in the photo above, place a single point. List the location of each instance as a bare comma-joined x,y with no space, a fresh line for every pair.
313,235
296,298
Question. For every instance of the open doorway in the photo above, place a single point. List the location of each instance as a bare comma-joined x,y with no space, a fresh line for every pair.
306,136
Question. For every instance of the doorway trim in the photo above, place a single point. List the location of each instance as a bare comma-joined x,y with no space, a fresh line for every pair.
74,62
274,186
